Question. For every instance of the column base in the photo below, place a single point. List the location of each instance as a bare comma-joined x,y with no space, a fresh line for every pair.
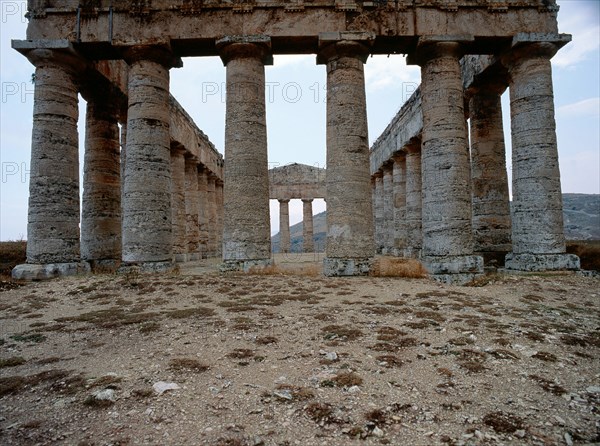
541,262
457,270
335,267
29,271
244,265
147,267
105,265
494,259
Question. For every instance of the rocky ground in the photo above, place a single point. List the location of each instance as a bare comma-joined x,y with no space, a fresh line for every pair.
300,360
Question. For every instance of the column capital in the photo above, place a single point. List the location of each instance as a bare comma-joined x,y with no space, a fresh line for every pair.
283,200
413,146
66,58
433,47
378,174
307,200
525,48
387,167
398,157
330,50
245,47
160,53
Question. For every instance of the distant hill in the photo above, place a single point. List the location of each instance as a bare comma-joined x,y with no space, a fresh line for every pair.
581,216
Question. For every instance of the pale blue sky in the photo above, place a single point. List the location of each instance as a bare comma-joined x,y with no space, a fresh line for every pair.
296,108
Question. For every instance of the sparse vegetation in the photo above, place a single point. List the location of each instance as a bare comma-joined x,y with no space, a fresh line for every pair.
588,251
398,267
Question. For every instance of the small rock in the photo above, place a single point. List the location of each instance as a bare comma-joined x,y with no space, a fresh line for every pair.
105,395
593,389
559,420
520,433
284,395
377,432
331,356
354,389
568,439
162,387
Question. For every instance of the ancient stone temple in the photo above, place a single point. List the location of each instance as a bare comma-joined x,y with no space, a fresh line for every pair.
155,190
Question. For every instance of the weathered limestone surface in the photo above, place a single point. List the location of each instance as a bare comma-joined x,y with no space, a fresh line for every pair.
53,217
147,231
220,202
203,212
350,244
378,204
308,242
246,232
192,199
211,215
414,202
284,225
398,230
101,212
446,173
178,215
491,205
537,218
388,209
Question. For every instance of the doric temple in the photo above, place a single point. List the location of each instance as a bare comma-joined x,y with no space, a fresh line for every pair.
156,191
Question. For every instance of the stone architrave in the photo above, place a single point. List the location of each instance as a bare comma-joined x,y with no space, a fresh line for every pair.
398,231
388,209
350,244
308,242
446,174
414,201
192,199
53,246
147,219
101,198
491,203
538,239
284,226
246,228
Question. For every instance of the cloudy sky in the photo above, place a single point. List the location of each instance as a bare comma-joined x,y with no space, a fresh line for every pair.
296,108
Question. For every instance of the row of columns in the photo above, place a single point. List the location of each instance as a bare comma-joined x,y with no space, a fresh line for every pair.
450,201
143,203
308,242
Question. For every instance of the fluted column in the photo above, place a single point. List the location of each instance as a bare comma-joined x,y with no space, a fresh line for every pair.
211,215
178,217
491,203
203,208
53,214
388,209
398,231
538,239
147,219
101,198
284,226
378,230
414,201
349,209
447,231
308,241
246,229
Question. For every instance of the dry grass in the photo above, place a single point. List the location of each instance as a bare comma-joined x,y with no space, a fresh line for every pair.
396,267
588,251
12,254
187,365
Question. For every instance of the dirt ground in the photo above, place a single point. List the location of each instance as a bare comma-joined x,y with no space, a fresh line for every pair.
299,359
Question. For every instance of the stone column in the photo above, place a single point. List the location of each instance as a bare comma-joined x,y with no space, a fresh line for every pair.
388,208
349,209
399,205
537,221
53,216
491,203
308,241
211,215
147,219
192,199
178,217
414,201
203,212
378,212
284,226
447,231
246,230
101,200
219,209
